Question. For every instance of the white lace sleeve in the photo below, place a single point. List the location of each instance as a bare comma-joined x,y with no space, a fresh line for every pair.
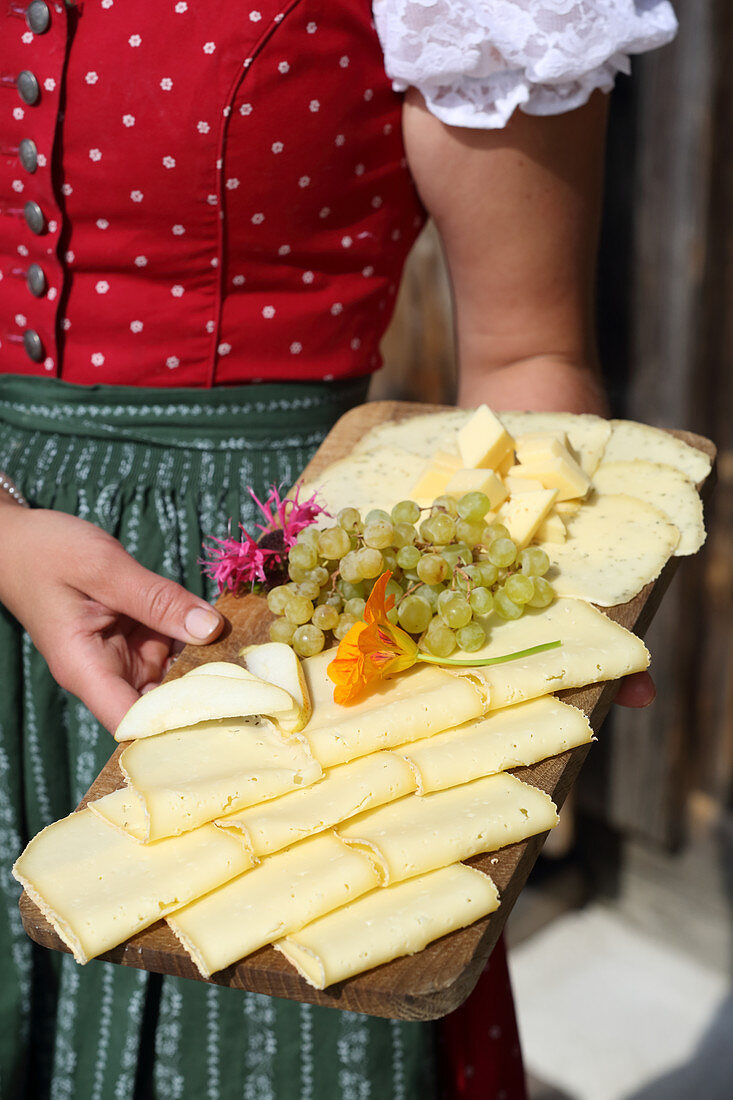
475,61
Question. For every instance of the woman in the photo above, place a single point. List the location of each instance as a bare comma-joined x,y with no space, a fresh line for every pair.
205,217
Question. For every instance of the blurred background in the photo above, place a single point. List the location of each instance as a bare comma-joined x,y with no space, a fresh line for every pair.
622,945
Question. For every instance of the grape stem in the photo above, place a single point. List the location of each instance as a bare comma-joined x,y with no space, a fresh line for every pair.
469,663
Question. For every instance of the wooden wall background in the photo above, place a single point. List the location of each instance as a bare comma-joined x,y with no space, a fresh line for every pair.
665,310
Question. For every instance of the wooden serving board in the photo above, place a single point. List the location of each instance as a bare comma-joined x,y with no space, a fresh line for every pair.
438,979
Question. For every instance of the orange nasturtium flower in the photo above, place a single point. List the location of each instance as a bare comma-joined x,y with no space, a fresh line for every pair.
374,649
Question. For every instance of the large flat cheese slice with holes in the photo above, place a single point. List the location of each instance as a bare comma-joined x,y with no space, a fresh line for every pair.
664,488
189,776
279,896
423,832
507,738
98,886
410,706
630,440
593,648
615,546
342,792
388,923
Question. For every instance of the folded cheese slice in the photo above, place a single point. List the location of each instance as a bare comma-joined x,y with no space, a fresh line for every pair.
189,776
388,923
507,738
416,704
423,832
98,886
125,810
342,792
593,648
279,896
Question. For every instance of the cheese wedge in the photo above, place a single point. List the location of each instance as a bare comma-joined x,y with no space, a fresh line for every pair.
552,529
516,485
98,886
388,923
523,514
615,546
664,488
420,833
431,483
278,664
586,434
630,440
483,441
555,471
509,738
481,481
286,891
189,776
341,793
593,648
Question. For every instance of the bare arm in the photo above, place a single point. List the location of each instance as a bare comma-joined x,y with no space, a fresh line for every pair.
518,212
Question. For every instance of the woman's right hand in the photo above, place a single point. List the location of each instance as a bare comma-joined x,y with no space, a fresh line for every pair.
106,625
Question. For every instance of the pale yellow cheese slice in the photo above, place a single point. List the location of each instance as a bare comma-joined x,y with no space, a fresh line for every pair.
420,833
615,545
593,648
98,886
366,480
405,708
125,810
630,440
286,891
341,793
189,776
508,738
388,923
665,488
418,435
587,434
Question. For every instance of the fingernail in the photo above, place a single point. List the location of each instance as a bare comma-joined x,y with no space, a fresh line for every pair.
201,622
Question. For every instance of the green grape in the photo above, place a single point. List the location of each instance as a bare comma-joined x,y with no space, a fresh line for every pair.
487,573
309,589
506,608
481,601
502,552
432,568
278,599
349,519
430,593
296,572
355,607
519,588
333,543
471,637
452,556
299,610
443,527
494,531
544,593
303,556
326,616
308,640
377,515
470,532
378,534
405,512
404,535
394,588
334,599
534,561
446,504
320,575
308,537
474,506
408,557
351,591
455,612
390,559
439,639
392,616
350,567
370,562
282,630
414,613
343,626
427,531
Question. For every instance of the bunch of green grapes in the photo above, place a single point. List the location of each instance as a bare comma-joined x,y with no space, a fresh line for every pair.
451,569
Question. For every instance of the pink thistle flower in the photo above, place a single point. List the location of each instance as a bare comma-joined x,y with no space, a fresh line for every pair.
289,515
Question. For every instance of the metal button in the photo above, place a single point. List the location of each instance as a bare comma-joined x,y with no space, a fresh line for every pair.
33,345
34,217
36,279
28,87
28,154
38,17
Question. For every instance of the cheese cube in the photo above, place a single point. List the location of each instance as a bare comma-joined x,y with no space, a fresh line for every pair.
556,472
552,529
506,463
481,481
431,483
540,441
522,485
483,442
523,514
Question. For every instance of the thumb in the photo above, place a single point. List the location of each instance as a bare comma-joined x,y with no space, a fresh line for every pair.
158,603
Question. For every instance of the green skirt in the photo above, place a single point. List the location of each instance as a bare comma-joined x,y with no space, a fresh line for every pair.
160,470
